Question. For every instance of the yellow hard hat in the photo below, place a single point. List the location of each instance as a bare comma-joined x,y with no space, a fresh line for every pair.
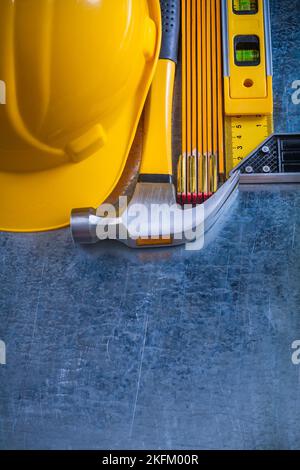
74,76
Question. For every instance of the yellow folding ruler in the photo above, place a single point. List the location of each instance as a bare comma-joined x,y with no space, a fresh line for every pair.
202,160
247,63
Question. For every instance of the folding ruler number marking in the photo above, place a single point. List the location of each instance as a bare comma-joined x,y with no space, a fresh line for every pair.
2,92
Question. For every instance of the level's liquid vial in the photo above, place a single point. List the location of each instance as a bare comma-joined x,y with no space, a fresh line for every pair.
247,50
245,7
250,56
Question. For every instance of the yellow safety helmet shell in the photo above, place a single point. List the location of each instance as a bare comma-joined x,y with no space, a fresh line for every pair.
74,76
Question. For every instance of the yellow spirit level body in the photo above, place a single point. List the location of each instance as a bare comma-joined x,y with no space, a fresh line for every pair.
247,62
247,59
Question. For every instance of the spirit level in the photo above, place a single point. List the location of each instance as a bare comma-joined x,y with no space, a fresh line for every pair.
247,62
247,58
248,6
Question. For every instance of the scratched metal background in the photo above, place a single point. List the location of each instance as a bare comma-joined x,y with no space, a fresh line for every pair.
109,348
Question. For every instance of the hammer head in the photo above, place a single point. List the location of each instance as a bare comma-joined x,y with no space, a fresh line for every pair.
152,217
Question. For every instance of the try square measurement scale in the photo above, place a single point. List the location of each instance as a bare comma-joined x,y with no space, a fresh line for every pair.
243,134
